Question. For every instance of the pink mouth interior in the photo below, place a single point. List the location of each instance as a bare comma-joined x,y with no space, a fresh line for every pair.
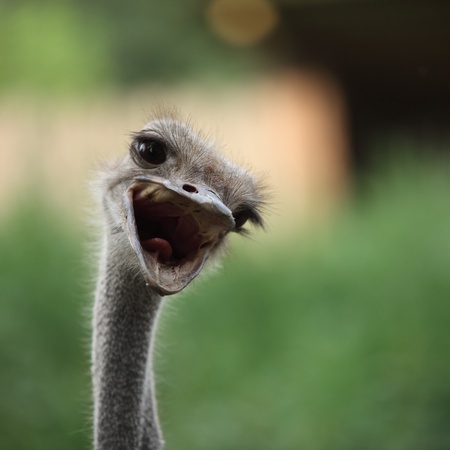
166,232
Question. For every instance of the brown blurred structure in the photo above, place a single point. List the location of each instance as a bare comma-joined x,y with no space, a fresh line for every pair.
392,58
379,68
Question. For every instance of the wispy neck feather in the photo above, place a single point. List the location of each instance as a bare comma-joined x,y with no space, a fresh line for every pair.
125,315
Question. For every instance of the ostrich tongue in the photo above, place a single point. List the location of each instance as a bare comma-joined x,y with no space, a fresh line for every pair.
160,249
167,232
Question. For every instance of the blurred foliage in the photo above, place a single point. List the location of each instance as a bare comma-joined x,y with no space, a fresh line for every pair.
77,45
53,47
337,341
333,340
43,366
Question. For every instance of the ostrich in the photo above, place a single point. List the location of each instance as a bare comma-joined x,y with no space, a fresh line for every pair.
167,207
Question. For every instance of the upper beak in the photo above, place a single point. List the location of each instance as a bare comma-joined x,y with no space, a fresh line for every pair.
199,195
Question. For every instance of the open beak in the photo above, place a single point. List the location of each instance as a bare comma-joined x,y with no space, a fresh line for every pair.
173,228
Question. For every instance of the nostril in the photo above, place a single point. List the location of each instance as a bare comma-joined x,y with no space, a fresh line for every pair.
190,188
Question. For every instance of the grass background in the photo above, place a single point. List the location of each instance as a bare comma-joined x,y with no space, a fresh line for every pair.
329,339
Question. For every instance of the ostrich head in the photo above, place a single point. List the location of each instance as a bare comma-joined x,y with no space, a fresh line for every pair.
171,202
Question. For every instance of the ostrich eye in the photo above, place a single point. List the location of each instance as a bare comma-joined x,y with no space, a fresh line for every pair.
152,151
241,217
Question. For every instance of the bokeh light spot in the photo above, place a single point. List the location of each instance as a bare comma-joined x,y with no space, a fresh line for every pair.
242,22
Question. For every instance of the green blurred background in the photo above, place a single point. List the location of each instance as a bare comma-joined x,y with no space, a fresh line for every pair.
329,331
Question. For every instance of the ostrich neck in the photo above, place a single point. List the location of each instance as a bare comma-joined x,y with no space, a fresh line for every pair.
125,315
